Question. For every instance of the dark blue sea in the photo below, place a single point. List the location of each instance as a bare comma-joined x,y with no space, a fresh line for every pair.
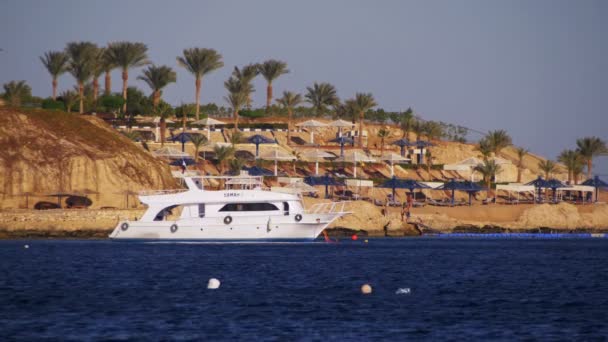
423,288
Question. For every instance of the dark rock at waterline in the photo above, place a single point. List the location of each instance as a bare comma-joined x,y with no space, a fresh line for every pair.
345,232
55,234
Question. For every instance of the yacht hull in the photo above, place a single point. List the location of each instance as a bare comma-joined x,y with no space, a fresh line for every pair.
273,228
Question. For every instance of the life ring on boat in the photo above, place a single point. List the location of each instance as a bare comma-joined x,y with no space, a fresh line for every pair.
228,219
298,217
124,226
173,228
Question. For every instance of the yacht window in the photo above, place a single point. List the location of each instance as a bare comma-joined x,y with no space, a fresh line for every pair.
201,210
286,208
249,207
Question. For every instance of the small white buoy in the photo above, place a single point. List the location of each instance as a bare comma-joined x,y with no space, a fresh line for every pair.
405,290
26,246
366,289
213,284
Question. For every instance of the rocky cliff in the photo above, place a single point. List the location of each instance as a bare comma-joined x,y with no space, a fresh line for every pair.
43,152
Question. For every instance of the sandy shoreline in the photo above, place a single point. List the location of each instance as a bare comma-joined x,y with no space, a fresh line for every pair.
366,219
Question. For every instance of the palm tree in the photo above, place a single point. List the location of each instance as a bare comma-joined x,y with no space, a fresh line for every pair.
98,61
163,112
56,63
271,70
383,133
488,170
289,101
222,154
485,148
521,153
418,128
127,55
236,164
363,103
237,97
107,66
200,62
69,97
81,66
198,141
246,76
133,136
572,160
548,167
498,139
157,77
429,162
235,138
407,122
16,91
321,95
590,147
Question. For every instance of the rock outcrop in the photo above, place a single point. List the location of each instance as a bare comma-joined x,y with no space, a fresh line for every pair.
43,151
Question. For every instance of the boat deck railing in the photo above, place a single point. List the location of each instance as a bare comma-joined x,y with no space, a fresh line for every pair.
161,192
329,208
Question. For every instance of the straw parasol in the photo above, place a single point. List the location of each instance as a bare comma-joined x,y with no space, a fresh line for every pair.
277,156
340,124
207,122
317,156
312,124
393,158
355,157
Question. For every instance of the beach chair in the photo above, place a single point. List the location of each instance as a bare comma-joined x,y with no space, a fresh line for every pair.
435,203
489,200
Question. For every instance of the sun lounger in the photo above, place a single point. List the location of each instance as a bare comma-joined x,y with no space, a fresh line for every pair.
436,203
488,201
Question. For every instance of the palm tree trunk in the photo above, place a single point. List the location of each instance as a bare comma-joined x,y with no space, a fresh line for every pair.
81,96
156,99
381,146
163,128
54,88
289,112
268,95
125,78
95,89
236,120
108,85
197,84
589,168
569,176
361,130
519,175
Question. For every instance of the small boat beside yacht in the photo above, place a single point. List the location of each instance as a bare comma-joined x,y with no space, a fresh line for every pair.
244,211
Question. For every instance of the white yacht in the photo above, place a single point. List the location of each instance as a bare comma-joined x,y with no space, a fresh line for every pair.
244,211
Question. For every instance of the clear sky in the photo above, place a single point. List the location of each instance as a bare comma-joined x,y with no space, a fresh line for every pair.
538,69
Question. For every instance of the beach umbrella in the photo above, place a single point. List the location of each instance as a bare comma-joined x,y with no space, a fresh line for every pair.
398,183
312,124
402,143
208,122
258,171
355,157
342,141
317,156
555,184
392,158
340,124
259,139
597,183
277,156
538,183
470,188
182,138
453,185
325,180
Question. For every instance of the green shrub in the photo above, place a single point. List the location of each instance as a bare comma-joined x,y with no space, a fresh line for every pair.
53,104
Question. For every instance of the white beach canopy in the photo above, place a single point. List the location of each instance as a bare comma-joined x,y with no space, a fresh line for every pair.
209,122
394,158
317,156
341,124
170,152
277,156
356,157
312,124
156,120
469,165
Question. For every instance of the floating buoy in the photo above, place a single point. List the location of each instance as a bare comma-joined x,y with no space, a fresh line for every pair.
366,241
405,290
26,246
213,284
366,289
354,237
